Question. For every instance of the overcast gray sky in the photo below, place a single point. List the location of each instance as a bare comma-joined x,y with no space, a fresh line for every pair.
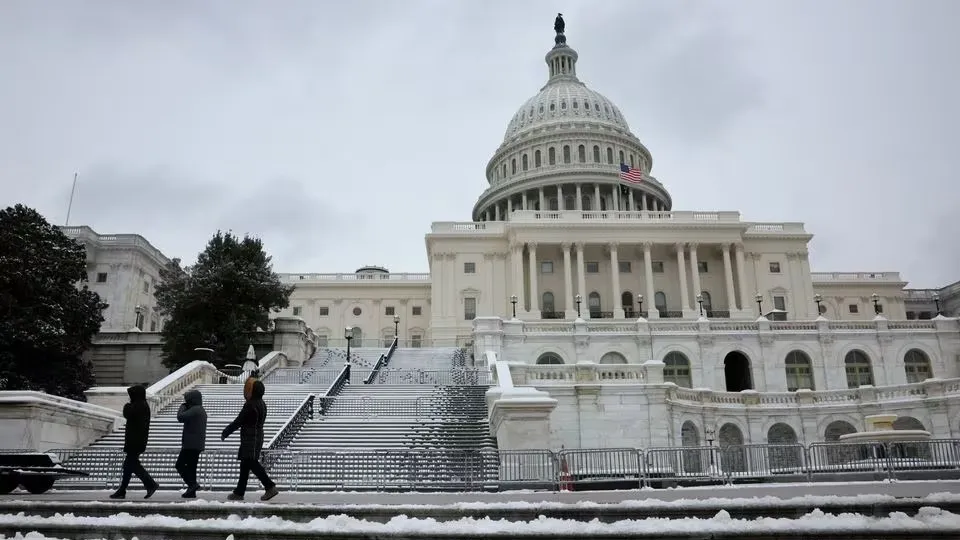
338,131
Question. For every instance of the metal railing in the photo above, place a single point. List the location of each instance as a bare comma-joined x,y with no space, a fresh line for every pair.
449,377
293,424
319,377
335,388
612,468
382,361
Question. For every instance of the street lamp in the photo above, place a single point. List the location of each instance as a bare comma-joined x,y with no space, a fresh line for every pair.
818,299
700,301
396,327
876,303
513,300
640,304
348,335
936,300
709,432
578,299
138,309
759,299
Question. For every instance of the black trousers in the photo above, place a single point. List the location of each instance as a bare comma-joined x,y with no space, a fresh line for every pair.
132,466
248,466
187,466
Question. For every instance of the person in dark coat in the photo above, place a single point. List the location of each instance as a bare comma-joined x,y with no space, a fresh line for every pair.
250,422
194,419
135,435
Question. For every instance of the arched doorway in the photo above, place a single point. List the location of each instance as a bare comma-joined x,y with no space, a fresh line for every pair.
357,337
783,455
736,371
837,428
626,301
690,438
733,455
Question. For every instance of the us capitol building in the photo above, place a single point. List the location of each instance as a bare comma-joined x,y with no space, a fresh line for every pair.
578,275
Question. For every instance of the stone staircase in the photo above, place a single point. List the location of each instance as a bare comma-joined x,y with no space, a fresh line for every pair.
427,358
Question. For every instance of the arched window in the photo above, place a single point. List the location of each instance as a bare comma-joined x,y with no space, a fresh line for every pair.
735,457
513,166
552,156
570,202
621,157
626,300
585,203
536,158
357,337
596,154
690,438
593,303
837,428
504,172
524,162
632,164
582,154
613,358
660,302
546,303
610,155
676,369
566,153
799,371
917,365
554,205
603,204
549,358
859,372
783,449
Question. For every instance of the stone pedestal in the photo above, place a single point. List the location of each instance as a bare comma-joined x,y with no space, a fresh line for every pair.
290,336
520,418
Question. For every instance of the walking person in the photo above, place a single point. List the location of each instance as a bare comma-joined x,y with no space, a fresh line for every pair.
250,422
194,419
135,435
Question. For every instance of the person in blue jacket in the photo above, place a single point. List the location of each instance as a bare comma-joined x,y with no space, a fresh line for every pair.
194,419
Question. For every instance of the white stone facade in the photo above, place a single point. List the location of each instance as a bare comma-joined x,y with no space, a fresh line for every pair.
124,270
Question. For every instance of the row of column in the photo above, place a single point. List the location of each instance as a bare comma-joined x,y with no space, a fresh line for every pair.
518,285
636,200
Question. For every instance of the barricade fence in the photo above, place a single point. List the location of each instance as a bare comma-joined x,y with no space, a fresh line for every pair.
575,469
448,377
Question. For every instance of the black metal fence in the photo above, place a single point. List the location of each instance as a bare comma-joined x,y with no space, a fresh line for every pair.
573,469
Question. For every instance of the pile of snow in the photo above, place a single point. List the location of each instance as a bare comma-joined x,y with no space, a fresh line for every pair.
927,519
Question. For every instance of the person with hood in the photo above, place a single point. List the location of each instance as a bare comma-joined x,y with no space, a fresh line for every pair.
135,435
250,422
194,419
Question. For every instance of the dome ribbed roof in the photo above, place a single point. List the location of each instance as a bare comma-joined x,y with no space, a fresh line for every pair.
565,100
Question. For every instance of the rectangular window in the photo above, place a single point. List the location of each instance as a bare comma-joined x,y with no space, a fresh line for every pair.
625,267
702,267
390,311
469,268
102,277
879,308
153,324
593,267
324,311
657,267
780,303
417,311
911,315
469,309
853,308
416,341
774,267
321,341
146,286
546,267
925,315
297,310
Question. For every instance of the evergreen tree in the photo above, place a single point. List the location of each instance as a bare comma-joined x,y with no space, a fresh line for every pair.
46,320
216,303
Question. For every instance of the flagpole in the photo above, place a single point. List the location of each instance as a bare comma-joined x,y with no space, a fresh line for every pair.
70,206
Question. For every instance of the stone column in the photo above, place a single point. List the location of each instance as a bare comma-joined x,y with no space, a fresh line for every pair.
534,290
648,276
695,271
631,203
742,278
560,206
728,276
568,305
582,281
596,196
516,257
543,201
578,204
615,279
682,274
524,199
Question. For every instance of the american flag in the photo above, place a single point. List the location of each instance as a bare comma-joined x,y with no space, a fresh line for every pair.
629,174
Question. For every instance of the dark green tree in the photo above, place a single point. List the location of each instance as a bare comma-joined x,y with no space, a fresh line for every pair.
217,302
47,315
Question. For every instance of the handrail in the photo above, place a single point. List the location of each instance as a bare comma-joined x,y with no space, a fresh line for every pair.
382,361
284,434
342,380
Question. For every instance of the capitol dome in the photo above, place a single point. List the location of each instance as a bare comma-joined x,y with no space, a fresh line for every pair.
565,149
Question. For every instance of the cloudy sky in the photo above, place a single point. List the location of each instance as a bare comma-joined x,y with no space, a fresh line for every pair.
338,131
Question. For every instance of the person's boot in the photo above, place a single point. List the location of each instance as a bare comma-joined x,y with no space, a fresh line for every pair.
270,493
234,497
119,494
190,493
151,490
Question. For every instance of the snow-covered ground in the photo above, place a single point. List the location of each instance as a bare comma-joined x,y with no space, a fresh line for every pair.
913,489
927,520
